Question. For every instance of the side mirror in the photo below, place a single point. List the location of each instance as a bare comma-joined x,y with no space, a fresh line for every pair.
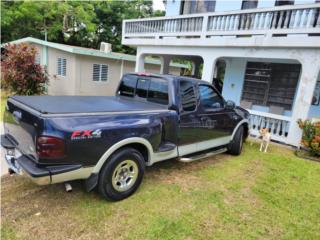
230,105
173,107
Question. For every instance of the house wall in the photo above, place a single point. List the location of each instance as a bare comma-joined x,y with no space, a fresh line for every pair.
314,110
150,68
78,79
58,85
233,79
85,84
309,58
61,85
173,6
40,52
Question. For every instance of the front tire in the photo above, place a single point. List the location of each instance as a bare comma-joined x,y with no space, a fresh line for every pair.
121,176
235,146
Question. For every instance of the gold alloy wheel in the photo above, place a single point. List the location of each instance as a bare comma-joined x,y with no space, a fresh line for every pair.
125,175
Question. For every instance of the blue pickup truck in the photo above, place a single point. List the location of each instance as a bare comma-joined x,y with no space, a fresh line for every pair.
108,141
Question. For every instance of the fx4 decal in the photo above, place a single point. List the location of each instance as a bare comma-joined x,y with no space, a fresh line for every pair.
86,134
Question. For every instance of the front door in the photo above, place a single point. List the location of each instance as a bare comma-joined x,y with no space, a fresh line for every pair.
216,120
204,121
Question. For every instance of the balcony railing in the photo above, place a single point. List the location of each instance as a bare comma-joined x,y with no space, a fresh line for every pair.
277,125
278,20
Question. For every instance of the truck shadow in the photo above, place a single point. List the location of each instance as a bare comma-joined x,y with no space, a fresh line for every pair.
17,190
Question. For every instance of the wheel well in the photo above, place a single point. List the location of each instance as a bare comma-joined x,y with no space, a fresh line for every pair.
141,148
246,130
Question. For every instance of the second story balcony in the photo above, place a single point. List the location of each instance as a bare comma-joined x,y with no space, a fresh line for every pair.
285,26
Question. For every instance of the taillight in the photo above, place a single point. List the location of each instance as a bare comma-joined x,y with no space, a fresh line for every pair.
50,147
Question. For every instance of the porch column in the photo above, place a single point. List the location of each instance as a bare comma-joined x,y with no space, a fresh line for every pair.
196,68
303,99
208,68
139,63
165,64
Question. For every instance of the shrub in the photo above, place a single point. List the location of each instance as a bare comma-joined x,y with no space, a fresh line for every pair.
310,136
20,74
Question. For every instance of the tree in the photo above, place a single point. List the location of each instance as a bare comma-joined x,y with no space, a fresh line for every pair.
61,20
109,17
76,23
20,74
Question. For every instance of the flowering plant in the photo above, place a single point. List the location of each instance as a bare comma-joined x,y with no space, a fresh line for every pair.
310,136
20,73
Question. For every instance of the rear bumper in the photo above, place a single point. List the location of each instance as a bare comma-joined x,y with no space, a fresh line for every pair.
42,175
24,166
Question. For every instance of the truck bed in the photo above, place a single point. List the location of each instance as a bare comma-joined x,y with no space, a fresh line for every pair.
85,104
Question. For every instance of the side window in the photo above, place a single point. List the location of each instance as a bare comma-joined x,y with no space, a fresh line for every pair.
158,91
37,59
128,86
142,87
209,98
187,95
61,66
100,73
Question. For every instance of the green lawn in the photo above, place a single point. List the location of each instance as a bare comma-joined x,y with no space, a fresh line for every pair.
3,105
254,196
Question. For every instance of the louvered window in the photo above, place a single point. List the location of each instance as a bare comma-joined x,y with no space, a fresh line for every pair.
37,59
100,73
61,66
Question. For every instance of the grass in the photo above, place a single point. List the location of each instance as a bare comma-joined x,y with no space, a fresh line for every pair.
252,196
3,105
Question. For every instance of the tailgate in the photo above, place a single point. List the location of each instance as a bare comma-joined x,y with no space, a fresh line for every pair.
20,127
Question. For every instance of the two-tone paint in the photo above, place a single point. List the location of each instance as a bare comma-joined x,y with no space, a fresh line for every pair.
93,128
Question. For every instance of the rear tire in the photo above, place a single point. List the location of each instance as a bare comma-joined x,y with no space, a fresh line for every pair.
121,176
235,146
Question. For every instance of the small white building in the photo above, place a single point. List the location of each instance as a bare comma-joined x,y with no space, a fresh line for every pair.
268,53
84,71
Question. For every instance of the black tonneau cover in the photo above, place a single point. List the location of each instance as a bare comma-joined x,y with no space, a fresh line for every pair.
85,104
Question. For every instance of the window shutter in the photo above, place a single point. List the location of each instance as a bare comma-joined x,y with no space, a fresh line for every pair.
62,67
96,72
37,59
59,66
100,73
103,72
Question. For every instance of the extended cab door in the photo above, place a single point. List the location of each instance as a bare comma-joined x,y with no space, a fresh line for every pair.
189,120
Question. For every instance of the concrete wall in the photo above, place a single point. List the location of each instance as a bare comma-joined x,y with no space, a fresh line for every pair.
58,85
78,79
314,110
222,6
61,85
89,87
173,6
309,58
233,79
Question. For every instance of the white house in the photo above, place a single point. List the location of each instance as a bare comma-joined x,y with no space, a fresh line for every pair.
270,50
84,71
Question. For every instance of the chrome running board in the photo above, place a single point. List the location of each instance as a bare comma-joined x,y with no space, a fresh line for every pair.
196,157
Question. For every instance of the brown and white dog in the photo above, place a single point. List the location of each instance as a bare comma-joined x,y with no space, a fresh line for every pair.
266,137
